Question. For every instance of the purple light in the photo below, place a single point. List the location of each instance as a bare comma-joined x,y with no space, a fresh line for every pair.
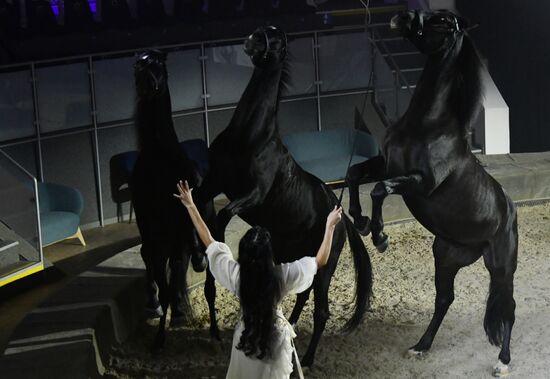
56,4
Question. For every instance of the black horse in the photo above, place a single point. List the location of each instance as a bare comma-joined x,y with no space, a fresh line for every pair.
429,162
265,186
167,233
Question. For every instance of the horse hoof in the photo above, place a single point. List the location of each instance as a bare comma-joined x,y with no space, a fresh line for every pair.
177,321
382,245
500,370
416,353
362,224
215,334
151,312
306,361
199,266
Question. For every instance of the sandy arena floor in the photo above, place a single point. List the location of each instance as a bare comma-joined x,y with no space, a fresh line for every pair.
401,310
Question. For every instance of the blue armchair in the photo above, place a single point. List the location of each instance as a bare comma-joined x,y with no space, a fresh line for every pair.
60,209
326,154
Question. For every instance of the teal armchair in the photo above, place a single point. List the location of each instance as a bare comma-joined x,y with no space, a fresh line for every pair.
60,208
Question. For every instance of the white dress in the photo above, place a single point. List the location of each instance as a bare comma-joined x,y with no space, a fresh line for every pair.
296,277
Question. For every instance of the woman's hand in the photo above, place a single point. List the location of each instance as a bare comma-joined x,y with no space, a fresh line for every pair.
334,217
185,194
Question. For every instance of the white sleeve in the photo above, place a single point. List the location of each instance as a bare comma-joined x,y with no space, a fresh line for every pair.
223,266
297,276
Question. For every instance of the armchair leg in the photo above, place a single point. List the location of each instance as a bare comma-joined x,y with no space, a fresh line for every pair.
80,237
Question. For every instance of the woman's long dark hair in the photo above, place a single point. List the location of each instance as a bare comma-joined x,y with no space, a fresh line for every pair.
259,292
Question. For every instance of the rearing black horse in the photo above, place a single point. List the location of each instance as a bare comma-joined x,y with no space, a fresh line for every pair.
167,233
249,163
429,162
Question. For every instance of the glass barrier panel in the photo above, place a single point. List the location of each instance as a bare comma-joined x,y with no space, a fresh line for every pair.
64,99
344,61
16,105
385,86
185,79
19,235
115,89
228,71
297,116
302,67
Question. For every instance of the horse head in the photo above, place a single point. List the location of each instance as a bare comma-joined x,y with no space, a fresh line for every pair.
267,46
150,73
431,32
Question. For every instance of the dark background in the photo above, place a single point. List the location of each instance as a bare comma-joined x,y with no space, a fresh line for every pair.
514,36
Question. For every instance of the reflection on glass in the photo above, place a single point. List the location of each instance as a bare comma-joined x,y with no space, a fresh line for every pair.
16,105
185,79
344,61
115,90
297,116
63,97
228,71
340,111
302,67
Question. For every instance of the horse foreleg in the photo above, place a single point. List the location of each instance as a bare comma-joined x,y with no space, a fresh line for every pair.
370,169
236,207
411,184
210,295
301,300
198,257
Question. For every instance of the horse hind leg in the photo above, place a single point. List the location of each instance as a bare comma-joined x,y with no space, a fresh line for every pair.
162,282
448,261
152,306
301,300
179,301
210,295
500,312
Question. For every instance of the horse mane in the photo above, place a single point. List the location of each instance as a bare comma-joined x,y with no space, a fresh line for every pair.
285,82
155,127
469,84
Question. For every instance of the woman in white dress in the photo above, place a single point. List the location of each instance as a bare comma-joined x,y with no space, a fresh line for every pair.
262,341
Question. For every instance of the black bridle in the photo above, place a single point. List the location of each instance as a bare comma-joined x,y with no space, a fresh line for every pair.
268,44
418,27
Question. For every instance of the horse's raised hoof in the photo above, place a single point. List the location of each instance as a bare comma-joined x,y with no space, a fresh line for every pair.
152,312
199,264
382,243
500,370
413,353
362,224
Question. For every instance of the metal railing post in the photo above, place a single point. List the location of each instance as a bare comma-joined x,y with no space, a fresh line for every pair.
95,142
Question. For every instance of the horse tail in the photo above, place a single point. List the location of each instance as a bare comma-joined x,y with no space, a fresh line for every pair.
363,276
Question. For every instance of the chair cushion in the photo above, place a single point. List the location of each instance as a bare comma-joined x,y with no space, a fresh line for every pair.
58,225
